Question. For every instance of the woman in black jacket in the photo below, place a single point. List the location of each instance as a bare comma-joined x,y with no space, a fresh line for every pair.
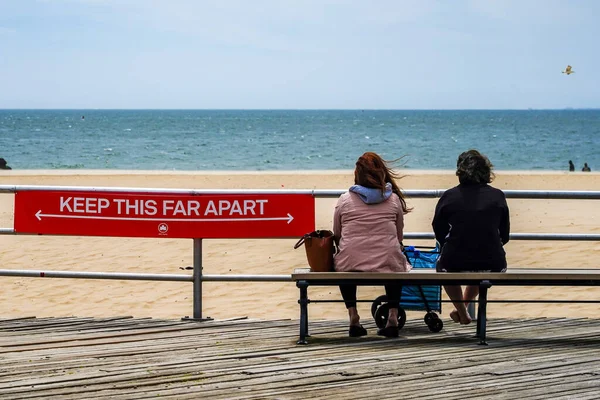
472,225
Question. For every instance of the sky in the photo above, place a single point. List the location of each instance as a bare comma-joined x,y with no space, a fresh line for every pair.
299,54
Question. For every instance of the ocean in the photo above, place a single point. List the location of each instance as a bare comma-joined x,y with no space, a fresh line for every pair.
271,140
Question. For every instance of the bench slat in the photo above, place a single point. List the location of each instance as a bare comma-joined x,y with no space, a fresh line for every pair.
515,274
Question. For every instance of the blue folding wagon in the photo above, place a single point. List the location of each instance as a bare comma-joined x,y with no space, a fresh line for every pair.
415,298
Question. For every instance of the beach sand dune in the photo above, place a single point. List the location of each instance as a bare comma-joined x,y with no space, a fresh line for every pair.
22,297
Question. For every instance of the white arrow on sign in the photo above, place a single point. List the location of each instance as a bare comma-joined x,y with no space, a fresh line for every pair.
39,216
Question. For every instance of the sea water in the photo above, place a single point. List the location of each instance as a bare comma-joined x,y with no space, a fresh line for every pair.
258,140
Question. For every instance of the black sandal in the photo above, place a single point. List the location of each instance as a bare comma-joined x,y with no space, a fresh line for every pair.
357,331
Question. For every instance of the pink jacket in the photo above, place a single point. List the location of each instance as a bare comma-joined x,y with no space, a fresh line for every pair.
369,235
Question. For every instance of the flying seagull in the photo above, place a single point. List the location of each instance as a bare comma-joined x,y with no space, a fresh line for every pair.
568,70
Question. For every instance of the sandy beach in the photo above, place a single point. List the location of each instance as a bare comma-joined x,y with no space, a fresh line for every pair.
25,297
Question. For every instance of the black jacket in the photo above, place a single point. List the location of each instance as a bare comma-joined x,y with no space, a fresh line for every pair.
471,224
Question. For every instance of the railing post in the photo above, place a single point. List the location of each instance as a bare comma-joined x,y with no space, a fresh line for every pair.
197,276
197,281
303,286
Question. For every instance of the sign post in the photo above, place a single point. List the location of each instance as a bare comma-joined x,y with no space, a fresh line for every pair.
197,282
165,215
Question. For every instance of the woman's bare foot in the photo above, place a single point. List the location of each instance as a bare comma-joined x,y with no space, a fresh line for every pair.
466,319
454,316
462,315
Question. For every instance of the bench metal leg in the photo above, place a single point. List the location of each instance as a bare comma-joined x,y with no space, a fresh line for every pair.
481,313
303,286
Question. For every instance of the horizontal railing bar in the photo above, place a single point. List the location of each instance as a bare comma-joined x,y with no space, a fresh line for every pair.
143,277
511,194
137,190
416,301
553,194
246,278
173,278
428,193
521,236
430,235
555,236
538,301
96,275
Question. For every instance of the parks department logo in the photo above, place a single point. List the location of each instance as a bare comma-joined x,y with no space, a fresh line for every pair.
163,228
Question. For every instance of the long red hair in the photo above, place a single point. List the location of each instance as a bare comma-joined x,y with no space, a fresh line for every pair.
374,172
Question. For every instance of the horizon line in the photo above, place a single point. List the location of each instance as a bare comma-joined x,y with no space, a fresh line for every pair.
302,109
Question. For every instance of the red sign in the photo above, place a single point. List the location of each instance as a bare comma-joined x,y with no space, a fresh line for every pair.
124,214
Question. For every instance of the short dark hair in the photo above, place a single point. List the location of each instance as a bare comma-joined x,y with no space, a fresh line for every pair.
474,167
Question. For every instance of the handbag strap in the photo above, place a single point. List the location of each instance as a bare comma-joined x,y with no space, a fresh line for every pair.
301,241
321,233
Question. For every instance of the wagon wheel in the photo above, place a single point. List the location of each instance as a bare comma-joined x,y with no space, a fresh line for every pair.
430,316
381,316
376,303
401,317
435,324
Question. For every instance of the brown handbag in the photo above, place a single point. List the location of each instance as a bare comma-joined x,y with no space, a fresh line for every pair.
320,248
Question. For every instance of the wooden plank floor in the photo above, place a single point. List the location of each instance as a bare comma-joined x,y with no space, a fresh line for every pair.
127,358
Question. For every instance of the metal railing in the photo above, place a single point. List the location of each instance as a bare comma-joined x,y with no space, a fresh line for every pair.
197,277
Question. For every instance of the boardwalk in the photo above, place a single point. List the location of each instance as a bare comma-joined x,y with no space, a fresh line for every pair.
126,358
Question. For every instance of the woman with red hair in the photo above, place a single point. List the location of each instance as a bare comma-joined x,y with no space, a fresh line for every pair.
368,224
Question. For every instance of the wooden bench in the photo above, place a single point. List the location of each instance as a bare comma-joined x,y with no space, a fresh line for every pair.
513,277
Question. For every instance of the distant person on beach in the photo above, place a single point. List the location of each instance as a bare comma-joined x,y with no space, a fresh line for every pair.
571,166
368,224
471,224
586,168
3,164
